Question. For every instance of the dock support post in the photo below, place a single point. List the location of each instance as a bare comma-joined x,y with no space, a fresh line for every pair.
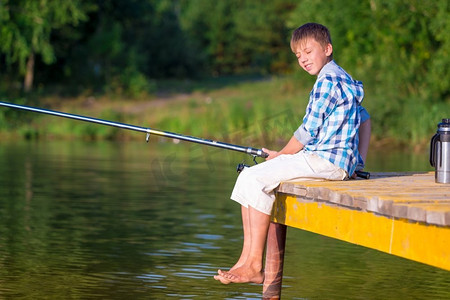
276,241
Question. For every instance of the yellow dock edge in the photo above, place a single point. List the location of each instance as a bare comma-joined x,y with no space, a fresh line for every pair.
420,242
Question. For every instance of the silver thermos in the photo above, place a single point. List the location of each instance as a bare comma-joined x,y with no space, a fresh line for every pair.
440,152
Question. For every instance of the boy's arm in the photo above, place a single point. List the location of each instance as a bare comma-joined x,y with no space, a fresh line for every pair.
364,138
292,147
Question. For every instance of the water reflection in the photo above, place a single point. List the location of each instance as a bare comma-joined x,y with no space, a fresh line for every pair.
121,221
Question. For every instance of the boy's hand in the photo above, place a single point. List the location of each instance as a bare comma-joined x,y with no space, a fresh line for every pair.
272,154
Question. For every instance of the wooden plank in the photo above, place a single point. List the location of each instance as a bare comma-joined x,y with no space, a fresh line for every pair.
413,196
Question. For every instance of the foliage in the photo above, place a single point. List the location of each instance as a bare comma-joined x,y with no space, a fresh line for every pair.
239,36
398,48
26,28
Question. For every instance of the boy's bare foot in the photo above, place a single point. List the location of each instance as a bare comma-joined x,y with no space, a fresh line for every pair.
240,275
220,272
220,278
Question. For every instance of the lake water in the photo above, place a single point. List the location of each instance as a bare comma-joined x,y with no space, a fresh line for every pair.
100,220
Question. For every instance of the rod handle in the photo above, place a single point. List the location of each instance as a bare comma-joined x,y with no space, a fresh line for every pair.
362,174
257,152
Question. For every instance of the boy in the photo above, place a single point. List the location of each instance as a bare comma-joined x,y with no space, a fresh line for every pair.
325,146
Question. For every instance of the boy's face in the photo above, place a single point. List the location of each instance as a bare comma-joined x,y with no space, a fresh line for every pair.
312,56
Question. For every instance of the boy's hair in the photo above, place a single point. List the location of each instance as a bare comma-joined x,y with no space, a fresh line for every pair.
311,30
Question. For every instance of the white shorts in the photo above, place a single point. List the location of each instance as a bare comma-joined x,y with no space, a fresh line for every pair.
255,185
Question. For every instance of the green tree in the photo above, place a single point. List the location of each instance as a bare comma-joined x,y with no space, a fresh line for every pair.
128,43
26,29
239,36
262,38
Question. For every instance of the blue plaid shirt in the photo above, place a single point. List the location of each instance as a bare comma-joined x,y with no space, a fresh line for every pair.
331,123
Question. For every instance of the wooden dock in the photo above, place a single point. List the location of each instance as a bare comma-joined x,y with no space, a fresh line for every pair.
404,214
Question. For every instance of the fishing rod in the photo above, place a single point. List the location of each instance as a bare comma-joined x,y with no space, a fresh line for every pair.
149,131
249,150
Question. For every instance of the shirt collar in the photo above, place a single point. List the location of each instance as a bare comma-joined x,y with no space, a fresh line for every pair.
330,67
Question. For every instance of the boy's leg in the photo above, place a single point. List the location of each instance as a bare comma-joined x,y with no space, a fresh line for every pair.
254,189
245,247
252,269
247,238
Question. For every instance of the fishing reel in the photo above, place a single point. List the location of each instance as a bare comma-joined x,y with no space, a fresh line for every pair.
242,165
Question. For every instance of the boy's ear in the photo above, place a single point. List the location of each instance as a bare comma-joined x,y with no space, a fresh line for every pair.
329,49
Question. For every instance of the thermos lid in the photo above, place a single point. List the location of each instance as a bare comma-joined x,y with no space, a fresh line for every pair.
444,125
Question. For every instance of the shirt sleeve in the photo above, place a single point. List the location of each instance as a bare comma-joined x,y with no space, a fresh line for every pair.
364,114
322,102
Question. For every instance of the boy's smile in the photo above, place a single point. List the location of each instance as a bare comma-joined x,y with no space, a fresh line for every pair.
312,56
